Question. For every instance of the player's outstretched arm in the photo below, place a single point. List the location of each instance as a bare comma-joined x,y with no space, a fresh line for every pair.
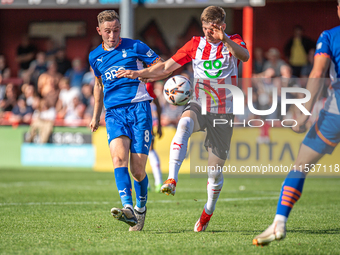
314,85
98,104
236,50
158,71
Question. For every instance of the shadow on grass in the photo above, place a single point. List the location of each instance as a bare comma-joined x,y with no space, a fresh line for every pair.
188,231
334,231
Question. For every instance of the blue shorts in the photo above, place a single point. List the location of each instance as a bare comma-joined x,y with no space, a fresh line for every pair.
324,135
131,120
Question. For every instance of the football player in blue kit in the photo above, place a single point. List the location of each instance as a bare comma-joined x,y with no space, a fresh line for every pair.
323,136
128,114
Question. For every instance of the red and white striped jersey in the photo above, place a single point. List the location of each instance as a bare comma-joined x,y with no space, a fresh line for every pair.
213,66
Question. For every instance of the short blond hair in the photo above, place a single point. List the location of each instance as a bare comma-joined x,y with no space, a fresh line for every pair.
213,14
108,15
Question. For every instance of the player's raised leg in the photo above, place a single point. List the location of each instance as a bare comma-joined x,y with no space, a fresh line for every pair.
290,193
119,148
178,149
214,187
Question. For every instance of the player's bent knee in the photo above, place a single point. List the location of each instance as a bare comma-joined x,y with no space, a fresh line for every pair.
139,174
119,162
185,126
216,175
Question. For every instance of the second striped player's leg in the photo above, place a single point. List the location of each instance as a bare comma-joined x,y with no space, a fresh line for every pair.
214,187
178,151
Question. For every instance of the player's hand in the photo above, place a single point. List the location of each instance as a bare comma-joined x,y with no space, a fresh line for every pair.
218,32
127,74
146,80
94,124
301,124
159,131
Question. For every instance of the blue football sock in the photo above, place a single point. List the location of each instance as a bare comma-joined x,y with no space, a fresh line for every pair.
124,186
141,189
290,192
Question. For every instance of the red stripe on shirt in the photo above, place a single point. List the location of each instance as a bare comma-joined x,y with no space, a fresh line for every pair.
221,106
219,51
238,39
206,52
233,80
195,43
197,90
184,54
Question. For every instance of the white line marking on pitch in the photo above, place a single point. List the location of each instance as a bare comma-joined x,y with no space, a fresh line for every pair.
156,201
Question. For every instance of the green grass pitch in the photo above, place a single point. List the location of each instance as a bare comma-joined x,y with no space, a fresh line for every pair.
68,212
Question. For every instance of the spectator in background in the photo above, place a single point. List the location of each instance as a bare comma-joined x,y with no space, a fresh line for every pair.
89,77
88,114
21,112
25,54
86,94
37,67
63,62
49,80
76,73
95,41
42,122
51,93
306,69
296,50
5,72
51,49
274,62
10,99
2,90
66,96
29,92
74,111
259,60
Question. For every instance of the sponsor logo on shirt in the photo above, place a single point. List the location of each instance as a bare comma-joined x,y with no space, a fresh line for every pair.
225,50
110,73
150,53
319,45
124,53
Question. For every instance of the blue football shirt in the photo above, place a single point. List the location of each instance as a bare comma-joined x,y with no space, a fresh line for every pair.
130,55
328,45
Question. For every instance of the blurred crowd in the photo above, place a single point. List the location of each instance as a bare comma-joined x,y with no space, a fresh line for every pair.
51,89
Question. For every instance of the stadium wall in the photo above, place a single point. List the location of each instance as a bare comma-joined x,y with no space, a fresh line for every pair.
78,148
273,24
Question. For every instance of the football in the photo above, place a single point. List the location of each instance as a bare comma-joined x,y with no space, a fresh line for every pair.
177,90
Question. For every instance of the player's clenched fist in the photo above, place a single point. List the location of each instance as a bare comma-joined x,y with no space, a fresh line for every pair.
94,124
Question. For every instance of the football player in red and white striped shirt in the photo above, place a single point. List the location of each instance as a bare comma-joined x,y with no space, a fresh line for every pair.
215,58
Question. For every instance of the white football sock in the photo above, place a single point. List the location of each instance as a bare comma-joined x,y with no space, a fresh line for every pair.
155,166
129,206
179,144
214,187
140,210
279,217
